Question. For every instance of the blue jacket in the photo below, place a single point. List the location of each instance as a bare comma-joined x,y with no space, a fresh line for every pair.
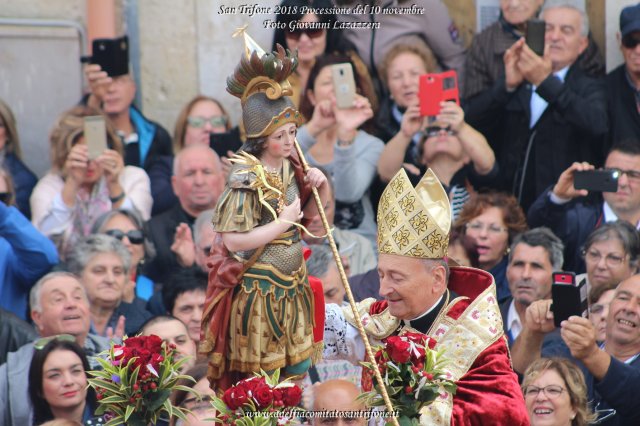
23,180
571,222
25,256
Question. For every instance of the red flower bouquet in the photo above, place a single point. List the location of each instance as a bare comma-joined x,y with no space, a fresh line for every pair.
259,401
137,378
413,374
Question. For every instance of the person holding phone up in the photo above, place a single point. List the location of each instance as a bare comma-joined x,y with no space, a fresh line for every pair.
457,153
572,217
612,369
70,197
333,139
546,113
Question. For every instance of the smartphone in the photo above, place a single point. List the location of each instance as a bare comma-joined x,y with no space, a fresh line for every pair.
597,180
568,298
223,142
534,35
95,135
112,54
436,88
344,85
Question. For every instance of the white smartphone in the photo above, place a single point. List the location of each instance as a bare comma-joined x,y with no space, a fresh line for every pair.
344,85
95,135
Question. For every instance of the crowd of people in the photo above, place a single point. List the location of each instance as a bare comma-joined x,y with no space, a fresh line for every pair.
132,240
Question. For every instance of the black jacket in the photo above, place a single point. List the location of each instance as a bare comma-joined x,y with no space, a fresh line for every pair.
162,229
572,128
623,111
14,333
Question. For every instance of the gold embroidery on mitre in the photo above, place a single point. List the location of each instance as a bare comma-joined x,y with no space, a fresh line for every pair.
414,222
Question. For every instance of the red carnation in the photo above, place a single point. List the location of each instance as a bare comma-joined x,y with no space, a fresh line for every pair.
418,338
153,343
291,396
134,342
263,395
229,400
252,384
398,349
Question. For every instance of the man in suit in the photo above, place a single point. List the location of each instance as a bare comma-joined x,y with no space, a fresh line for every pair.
545,113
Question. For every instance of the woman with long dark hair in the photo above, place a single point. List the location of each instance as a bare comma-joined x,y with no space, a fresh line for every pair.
58,381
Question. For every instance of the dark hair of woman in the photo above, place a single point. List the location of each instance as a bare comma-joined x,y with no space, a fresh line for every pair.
41,409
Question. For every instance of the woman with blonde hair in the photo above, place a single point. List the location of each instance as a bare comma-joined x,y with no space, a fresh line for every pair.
555,393
11,160
78,189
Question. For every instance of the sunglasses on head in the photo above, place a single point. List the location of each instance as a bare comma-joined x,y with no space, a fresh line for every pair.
630,41
44,341
135,236
297,33
198,122
433,131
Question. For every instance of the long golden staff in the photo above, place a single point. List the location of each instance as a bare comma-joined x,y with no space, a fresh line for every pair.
347,287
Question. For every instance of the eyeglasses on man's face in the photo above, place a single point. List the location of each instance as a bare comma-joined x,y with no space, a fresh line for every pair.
631,174
551,391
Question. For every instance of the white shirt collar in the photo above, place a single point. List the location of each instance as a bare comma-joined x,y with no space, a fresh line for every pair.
610,216
514,325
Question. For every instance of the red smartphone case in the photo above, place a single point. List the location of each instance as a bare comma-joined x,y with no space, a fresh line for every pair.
436,88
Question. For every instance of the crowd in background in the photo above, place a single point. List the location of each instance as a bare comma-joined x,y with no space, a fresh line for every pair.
117,244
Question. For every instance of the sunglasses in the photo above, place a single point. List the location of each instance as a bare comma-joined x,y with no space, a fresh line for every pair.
433,131
199,122
297,33
630,41
5,197
44,341
135,236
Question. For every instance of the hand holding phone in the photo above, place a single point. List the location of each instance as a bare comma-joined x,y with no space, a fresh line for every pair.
112,55
597,180
437,88
95,135
534,35
569,298
344,85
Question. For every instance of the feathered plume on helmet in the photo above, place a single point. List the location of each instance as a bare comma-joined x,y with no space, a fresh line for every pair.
260,81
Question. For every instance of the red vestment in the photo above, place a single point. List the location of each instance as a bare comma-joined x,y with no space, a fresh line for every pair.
470,330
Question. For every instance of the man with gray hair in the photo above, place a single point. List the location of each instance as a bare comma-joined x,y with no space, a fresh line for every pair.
59,305
551,113
533,257
197,181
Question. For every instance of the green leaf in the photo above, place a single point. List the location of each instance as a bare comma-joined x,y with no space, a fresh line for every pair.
115,421
157,398
114,399
128,412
